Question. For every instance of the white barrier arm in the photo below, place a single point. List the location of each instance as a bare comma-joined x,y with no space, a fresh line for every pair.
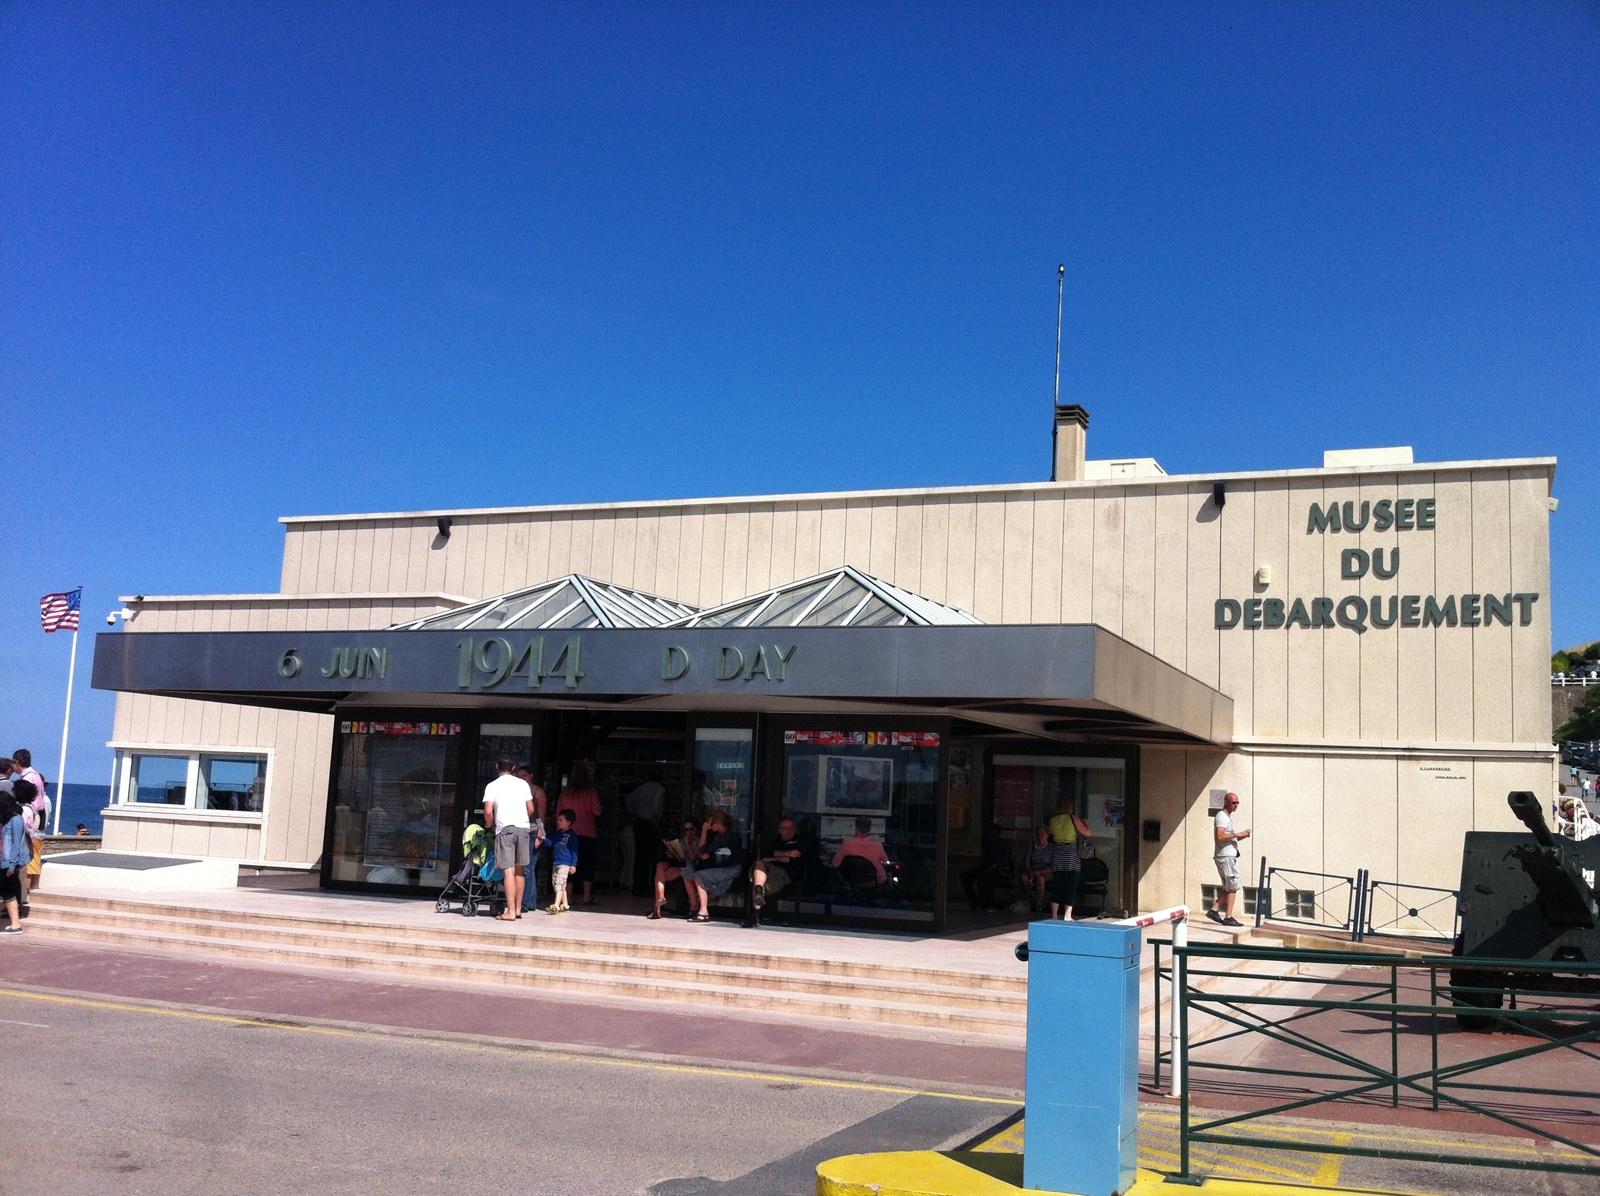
1178,915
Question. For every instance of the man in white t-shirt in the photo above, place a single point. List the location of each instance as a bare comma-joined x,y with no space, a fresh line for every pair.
508,812
1227,860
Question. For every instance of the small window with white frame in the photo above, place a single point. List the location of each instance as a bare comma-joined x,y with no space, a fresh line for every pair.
204,782
231,782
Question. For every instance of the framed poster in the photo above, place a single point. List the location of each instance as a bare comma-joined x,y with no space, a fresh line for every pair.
857,785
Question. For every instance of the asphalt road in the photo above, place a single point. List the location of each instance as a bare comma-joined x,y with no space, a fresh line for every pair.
139,1100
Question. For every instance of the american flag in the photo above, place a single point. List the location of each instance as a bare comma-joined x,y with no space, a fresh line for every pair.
59,612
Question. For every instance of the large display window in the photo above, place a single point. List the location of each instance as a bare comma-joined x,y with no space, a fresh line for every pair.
393,806
865,804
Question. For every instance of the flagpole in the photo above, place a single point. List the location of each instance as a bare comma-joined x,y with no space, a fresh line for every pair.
66,727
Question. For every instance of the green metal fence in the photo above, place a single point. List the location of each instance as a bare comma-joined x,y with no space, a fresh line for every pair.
1415,1001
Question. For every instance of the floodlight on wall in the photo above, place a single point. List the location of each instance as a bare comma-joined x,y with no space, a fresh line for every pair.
444,523
1219,493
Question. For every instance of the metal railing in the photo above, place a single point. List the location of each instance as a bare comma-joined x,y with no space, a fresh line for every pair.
1349,888
1436,914
1407,998
1574,679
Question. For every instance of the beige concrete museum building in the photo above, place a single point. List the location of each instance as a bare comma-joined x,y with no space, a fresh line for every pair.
1360,650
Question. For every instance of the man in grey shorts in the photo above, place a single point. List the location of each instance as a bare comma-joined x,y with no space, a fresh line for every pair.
508,812
1227,859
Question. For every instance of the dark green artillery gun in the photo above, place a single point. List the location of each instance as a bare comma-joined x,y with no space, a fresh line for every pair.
1524,897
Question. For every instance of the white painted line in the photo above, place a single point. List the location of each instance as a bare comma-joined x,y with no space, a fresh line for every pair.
13,1022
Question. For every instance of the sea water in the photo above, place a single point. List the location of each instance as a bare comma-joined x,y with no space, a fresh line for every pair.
82,803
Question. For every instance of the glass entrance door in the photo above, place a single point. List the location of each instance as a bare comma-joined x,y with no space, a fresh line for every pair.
1027,790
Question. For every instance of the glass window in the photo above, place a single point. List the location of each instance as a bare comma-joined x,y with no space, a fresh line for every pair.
841,600
232,783
1029,790
784,609
511,741
1251,898
394,803
547,608
865,802
723,776
159,780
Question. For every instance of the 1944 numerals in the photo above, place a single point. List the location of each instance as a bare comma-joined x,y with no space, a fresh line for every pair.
493,660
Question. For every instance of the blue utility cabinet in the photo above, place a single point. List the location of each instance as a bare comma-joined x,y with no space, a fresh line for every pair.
1082,1133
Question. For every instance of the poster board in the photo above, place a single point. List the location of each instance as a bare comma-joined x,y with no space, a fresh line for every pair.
857,785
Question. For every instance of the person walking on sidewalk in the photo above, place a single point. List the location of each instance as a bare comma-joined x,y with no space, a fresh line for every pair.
1223,911
508,812
38,819
14,856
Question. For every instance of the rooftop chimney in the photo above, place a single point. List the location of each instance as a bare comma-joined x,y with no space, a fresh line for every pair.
1071,443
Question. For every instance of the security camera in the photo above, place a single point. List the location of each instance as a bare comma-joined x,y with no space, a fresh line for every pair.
111,619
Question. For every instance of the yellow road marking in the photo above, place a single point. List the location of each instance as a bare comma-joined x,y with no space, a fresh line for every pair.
1210,1159
1488,1144
730,1073
1327,1175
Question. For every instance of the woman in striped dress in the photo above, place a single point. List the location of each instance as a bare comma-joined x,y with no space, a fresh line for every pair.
1067,833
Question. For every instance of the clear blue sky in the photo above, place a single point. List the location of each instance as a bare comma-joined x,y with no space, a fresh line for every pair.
267,259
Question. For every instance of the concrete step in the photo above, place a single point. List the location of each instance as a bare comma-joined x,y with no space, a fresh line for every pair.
909,1011
460,931
952,991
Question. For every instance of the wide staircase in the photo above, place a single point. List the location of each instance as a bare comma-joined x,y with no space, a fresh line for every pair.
961,1003
923,1000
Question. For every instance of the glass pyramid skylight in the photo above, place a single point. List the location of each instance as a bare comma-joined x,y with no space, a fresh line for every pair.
843,597
573,601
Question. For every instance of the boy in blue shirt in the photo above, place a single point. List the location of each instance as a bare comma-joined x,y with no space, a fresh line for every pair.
565,843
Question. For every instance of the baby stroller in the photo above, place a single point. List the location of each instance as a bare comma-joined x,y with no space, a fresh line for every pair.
477,881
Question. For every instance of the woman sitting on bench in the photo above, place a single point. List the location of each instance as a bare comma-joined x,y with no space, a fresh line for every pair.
678,853
715,866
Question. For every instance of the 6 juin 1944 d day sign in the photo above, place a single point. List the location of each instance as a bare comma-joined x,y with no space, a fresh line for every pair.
1357,612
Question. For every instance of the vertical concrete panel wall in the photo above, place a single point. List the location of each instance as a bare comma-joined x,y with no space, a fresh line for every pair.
1347,746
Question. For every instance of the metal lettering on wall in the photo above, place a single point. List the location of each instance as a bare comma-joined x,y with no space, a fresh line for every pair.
495,661
731,663
490,661
1356,612
366,664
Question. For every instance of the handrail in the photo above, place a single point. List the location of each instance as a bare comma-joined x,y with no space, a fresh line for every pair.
1281,1016
1452,895
1353,901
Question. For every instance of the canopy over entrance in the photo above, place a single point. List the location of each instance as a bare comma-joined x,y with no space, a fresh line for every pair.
839,641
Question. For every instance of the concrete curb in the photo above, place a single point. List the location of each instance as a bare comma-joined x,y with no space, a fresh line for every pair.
982,1173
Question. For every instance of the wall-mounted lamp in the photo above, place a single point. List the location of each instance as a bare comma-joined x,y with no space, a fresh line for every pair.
1219,493
444,523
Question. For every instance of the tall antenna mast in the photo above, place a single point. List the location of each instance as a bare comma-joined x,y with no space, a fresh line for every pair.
1061,282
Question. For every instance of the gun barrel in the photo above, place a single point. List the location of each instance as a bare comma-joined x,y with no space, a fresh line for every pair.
1531,814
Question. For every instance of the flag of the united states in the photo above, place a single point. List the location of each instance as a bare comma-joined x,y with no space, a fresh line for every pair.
59,612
